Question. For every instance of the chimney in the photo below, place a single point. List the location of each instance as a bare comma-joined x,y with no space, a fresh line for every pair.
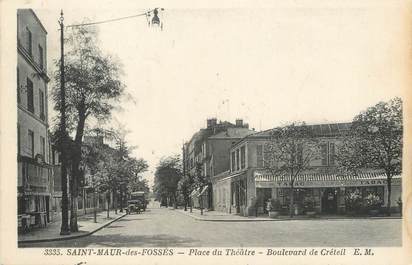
239,123
211,122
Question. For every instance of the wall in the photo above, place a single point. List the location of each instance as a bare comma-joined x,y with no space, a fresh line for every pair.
28,67
26,19
221,195
220,150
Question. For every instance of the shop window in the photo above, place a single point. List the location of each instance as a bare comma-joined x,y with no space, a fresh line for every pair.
365,191
377,190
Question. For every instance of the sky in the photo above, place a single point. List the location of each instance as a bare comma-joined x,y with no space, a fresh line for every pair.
267,66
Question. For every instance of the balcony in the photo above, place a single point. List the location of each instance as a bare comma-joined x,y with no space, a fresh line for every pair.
34,176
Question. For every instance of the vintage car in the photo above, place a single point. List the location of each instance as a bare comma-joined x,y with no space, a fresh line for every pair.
134,206
141,197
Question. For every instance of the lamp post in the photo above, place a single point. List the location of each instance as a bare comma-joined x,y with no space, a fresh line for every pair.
64,230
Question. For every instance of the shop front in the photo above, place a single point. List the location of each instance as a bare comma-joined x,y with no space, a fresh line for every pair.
33,194
238,194
328,192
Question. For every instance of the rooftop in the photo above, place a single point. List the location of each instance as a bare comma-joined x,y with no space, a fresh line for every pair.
232,133
329,129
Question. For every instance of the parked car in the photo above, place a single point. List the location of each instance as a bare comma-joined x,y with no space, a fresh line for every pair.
134,206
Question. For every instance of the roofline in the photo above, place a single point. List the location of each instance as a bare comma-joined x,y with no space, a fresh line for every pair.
38,20
255,136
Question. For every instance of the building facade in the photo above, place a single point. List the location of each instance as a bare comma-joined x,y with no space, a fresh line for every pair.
34,169
206,155
248,185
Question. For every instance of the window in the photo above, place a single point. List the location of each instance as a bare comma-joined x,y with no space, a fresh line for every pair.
41,98
259,156
324,154
18,85
233,161
30,103
43,147
29,41
331,154
242,157
237,159
30,143
41,62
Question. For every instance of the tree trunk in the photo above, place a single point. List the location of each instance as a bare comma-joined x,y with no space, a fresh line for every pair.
388,207
76,158
73,215
94,207
108,204
291,203
115,201
73,204
121,201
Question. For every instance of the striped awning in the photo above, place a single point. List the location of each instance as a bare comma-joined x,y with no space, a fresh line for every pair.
205,188
195,193
324,180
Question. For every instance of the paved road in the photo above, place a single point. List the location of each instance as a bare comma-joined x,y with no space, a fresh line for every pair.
169,228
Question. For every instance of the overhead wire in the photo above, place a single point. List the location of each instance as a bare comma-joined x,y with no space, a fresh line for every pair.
110,20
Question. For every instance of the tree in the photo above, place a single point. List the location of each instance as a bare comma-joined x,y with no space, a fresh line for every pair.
92,87
132,180
375,142
167,176
185,187
290,151
118,172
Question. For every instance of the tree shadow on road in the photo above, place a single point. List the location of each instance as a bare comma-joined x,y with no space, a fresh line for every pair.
119,240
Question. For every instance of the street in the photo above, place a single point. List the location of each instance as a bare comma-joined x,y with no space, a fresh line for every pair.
162,227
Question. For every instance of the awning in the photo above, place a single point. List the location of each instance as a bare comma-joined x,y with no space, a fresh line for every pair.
35,193
195,193
205,188
324,180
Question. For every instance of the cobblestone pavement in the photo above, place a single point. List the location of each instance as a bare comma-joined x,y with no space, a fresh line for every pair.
169,228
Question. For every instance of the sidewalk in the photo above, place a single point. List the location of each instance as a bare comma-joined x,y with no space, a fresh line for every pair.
86,223
215,216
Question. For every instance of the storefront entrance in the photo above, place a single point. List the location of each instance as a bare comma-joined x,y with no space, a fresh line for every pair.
263,195
330,201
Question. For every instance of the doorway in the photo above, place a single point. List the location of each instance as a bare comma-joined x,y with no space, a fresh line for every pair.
263,195
330,201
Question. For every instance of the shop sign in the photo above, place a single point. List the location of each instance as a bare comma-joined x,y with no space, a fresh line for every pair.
325,183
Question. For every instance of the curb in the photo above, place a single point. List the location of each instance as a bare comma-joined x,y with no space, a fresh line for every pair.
70,237
280,220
